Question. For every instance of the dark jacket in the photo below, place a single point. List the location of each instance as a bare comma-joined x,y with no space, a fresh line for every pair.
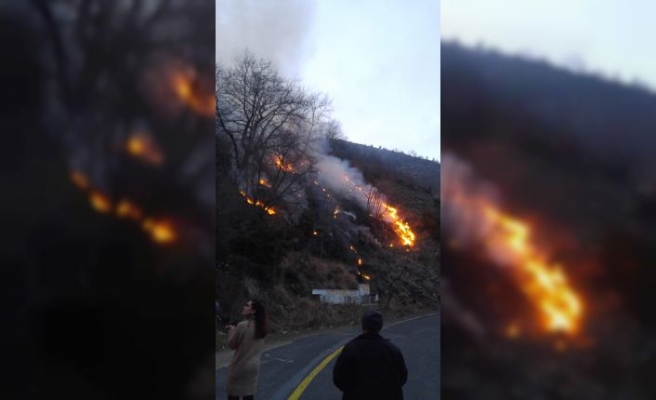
370,367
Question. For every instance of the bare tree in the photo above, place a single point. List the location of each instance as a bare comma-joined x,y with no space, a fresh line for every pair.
375,202
272,125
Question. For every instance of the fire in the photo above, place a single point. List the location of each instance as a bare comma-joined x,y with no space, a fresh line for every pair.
401,228
143,147
160,231
258,203
264,182
80,180
359,261
366,277
544,284
185,90
508,242
100,202
285,167
127,209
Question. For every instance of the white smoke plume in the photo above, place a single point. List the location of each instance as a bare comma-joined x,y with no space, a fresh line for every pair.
462,192
340,177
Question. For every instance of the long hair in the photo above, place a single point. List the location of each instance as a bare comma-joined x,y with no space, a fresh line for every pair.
260,317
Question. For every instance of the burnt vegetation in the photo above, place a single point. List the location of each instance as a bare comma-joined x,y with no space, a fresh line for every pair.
283,229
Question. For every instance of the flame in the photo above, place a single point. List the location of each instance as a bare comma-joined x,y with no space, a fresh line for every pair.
189,94
285,167
401,228
508,242
258,203
264,182
359,261
126,209
80,180
160,231
367,277
544,284
143,147
100,202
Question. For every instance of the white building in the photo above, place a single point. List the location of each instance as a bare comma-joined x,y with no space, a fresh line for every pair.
344,296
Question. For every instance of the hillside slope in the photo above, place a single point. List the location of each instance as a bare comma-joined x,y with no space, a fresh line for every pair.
341,235
568,156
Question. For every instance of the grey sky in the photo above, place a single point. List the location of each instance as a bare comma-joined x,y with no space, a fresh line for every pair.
611,38
378,60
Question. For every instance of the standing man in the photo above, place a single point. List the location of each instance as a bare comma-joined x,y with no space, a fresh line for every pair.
370,366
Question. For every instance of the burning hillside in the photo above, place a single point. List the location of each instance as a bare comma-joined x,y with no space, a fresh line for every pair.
348,182
548,231
474,218
343,223
294,217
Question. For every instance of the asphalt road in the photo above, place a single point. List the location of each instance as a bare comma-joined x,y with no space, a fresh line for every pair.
284,368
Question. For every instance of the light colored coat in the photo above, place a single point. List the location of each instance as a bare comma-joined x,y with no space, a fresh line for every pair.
245,365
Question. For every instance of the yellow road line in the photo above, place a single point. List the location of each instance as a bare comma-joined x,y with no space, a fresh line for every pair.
296,394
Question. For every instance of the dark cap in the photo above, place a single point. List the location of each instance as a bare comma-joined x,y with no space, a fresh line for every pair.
372,321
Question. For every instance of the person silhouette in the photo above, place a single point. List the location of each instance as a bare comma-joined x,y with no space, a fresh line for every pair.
370,366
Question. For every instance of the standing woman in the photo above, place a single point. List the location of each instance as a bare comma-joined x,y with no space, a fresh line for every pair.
247,339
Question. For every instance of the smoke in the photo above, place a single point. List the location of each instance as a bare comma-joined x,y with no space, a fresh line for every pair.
461,192
276,30
341,178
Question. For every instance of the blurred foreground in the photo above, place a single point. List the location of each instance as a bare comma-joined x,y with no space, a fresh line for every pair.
111,199
549,296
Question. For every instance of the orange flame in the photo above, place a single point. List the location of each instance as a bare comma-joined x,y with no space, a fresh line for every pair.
160,231
100,202
126,209
80,180
143,147
258,203
201,103
285,167
264,182
367,277
545,285
401,228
